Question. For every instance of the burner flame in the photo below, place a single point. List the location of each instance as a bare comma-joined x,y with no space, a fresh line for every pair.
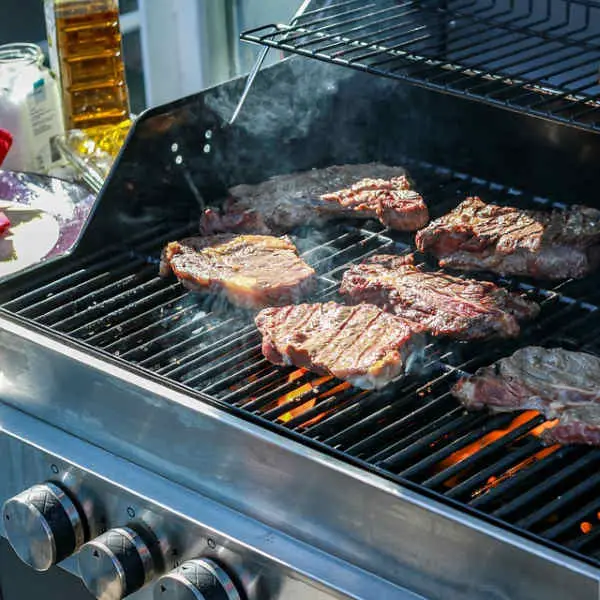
491,437
485,441
494,481
586,527
303,389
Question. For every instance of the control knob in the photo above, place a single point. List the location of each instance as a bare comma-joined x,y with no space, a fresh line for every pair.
118,563
43,525
200,579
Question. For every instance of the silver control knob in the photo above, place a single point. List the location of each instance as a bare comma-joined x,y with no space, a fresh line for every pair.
43,525
116,564
200,579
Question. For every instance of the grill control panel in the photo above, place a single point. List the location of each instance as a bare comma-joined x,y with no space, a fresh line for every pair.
197,580
43,525
128,532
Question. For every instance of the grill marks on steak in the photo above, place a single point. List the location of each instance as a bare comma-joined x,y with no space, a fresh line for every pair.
477,236
558,383
391,201
359,344
287,201
251,270
444,305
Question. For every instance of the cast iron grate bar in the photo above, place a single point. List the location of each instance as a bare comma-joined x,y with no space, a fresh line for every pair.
480,456
541,61
514,480
548,487
413,430
485,478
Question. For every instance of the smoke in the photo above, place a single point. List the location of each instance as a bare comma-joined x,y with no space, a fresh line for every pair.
283,103
302,114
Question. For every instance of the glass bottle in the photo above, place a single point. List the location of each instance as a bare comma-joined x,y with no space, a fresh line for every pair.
84,40
30,109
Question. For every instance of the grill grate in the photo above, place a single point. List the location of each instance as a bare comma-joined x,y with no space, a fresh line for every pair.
540,57
411,431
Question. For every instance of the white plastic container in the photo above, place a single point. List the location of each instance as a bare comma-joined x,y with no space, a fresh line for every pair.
30,109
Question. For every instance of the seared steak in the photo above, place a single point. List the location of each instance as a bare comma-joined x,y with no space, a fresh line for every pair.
560,384
444,305
360,344
252,270
485,237
370,191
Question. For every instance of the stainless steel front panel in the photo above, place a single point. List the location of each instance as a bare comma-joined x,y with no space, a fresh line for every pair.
381,527
270,565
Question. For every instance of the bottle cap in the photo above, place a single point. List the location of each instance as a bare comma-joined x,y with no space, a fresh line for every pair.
6,141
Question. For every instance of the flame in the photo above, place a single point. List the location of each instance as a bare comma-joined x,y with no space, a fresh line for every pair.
296,375
585,527
336,390
489,438
299,410
481,443
493,481
288,416
537,431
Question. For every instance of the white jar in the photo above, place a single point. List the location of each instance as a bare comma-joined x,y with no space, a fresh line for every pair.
30,109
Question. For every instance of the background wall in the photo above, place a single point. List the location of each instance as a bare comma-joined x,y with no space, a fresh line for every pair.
164,36
21,20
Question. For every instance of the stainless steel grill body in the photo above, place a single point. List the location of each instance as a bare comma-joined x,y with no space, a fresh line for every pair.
107,368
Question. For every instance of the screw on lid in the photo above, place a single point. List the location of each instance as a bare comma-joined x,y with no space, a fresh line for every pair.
6,141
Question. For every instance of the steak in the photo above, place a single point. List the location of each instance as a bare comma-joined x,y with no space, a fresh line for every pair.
558,383
444,305
253,271
476,236
369,191
361,344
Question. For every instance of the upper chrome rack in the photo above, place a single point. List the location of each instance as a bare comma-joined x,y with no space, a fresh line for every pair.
539,57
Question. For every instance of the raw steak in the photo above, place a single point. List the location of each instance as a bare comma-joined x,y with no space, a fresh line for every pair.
252,270
444,305
360,344
554,244
560,384
369,191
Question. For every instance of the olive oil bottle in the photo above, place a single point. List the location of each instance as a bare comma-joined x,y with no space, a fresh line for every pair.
84,40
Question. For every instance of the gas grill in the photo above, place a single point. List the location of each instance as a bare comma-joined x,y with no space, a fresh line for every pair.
155,430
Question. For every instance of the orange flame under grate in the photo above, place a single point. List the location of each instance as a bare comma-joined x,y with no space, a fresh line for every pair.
303,389
491,437
494,481
586,527
486,440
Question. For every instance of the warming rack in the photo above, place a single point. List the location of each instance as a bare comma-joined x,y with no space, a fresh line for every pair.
539,57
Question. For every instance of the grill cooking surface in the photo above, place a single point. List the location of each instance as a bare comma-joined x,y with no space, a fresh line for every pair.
413,431
537,57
